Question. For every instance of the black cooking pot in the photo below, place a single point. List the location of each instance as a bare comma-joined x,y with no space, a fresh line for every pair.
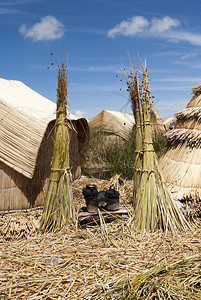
107,200
90,191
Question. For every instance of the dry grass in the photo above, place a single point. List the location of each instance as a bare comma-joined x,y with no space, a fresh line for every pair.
173,280
79,263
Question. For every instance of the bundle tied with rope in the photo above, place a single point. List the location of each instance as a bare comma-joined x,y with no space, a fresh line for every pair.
58,210
153,203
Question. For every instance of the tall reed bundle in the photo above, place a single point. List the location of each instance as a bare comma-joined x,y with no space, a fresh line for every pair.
58,208
154,205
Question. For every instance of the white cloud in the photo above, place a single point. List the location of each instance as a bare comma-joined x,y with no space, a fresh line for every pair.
130,27
183,57
49,28
164,24
192,38
6,11
180,79
167,53
138,24
100,69
79,113
166,28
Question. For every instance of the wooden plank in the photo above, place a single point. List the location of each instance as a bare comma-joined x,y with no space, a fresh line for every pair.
84,217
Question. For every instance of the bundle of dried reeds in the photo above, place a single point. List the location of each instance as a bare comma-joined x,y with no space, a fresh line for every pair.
176,280
58,208
19,225
154,205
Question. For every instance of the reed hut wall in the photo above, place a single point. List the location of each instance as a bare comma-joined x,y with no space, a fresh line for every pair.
18,192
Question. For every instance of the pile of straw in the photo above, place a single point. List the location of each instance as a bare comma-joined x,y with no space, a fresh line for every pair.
82,263
19,225
175,280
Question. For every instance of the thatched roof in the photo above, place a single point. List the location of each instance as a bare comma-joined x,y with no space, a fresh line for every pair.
24,117
113,122
156,121
120,124
181,161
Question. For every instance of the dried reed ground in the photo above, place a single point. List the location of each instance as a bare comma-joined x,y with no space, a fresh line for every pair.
75,263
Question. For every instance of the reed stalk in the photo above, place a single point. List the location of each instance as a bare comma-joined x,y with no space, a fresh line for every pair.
139,133
58,210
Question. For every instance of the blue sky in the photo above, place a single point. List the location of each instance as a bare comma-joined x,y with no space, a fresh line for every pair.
98,35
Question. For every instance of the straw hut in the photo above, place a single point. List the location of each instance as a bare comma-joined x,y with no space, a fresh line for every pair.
181,161
113,124
156,121
26,145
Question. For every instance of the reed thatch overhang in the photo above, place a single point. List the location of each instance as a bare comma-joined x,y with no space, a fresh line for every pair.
113,122
181,160
24,118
